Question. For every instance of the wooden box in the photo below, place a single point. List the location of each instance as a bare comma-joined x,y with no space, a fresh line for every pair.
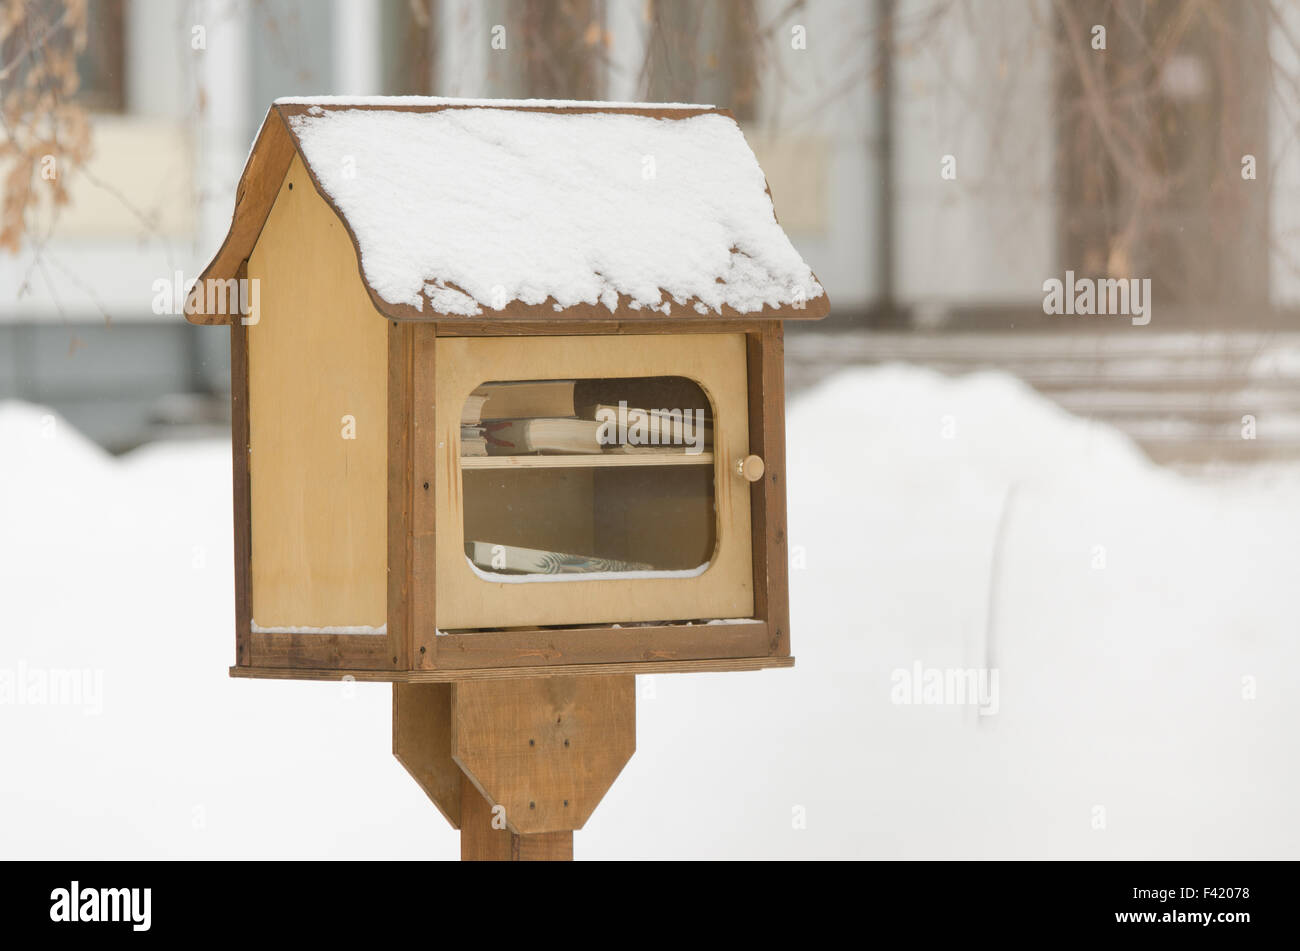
368,542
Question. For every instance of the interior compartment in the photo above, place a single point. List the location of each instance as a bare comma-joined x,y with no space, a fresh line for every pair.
629,509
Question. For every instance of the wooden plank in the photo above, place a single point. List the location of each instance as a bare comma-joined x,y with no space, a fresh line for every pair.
241,487
331,656
547,749
716,665
422,743
401,355
543,847
479,841
318,375
766,354
424,552
538,648
501,327
609,461
717,362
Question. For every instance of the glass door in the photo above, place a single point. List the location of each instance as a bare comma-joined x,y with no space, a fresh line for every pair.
587,480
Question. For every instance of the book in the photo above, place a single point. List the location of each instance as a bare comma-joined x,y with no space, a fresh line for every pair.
472,411
472,441
630,429
519,399
517,437
512,559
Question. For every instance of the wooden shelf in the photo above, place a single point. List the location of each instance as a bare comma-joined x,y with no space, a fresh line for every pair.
587,462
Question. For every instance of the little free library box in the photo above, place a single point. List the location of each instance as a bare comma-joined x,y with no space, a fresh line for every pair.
508,419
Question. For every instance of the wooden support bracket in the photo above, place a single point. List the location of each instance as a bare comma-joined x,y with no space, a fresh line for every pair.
516,765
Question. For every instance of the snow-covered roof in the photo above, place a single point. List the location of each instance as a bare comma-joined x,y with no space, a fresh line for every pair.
532,210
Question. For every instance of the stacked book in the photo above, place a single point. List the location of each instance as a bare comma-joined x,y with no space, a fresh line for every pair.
549,417
516,560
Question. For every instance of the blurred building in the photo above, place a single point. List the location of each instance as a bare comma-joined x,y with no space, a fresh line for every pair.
936,161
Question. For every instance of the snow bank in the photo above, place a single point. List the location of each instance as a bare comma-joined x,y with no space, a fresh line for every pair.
1120,677
473,209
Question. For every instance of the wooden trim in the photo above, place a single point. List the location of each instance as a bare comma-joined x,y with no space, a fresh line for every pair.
503,327
400,424
607,461
353,653
653,110
766,349
267,164
373,675
669,642
423,568
242,485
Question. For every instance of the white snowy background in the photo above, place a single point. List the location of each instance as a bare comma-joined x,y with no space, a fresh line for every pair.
1121,687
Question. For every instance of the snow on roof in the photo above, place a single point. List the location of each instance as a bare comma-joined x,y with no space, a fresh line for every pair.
461,211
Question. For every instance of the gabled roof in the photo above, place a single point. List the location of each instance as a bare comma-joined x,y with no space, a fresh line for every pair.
533,210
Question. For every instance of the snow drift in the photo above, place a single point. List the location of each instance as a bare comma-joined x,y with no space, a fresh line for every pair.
1143,627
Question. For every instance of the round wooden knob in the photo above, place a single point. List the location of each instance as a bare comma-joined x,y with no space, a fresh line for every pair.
750,468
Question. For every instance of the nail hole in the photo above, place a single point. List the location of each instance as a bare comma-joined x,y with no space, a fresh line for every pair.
532,805
566,742
291,186
426,486
532,742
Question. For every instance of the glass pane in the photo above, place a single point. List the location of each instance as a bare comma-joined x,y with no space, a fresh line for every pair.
588,478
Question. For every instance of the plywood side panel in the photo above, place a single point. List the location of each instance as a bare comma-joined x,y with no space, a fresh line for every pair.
317,361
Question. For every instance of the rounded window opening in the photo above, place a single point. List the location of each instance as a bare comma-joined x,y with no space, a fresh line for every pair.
588,479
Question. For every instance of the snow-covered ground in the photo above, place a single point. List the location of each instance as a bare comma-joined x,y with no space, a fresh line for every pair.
1143,629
